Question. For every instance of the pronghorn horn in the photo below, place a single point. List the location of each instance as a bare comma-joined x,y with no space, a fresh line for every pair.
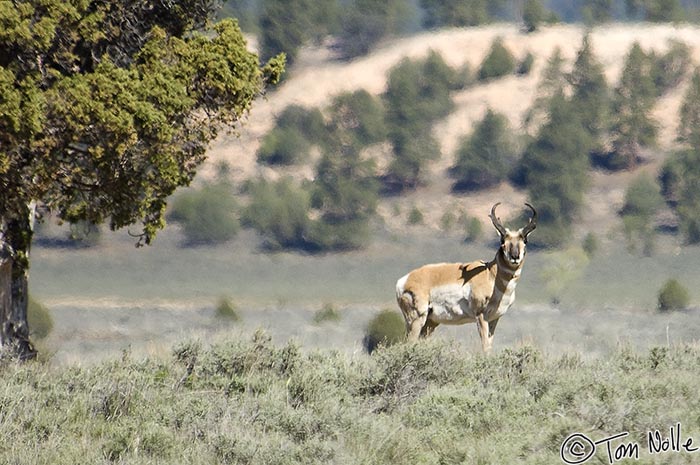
496,221
532,224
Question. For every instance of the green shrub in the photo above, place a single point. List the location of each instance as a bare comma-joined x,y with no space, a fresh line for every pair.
39,319
642,200
327,313
279,212
361,115
486,156
590,244
474,230
673,296
670,68
227,310
386,328
283,146
84,233
290,141
207,215
534,14
526,64
498,62
415,216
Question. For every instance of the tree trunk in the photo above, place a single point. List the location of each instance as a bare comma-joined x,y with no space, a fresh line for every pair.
14,296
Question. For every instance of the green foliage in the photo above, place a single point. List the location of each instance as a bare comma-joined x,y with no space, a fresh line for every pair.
590,93
474,230
418,93
486,156
283,146
284,27
499,61
597,11
661,11
111,106
327,314
690,113
366,22
525,65
385,329
207,215
39,319
561,269
673,296
415,216
670,69
642,200
84,234
642,197
680,173
290,141
635,95
279,212
552,83
590,245
255,402
345,191
360,117
679,178
534,14
455,13
227,310
555,169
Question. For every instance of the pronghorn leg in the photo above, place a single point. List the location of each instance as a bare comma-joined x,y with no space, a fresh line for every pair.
415,312
486,331
428,328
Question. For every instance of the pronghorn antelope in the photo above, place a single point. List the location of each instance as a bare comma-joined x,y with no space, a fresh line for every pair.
459,293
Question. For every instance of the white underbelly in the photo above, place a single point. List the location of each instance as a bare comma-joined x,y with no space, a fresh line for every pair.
449,304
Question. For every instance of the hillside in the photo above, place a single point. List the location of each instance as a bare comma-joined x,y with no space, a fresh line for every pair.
317,77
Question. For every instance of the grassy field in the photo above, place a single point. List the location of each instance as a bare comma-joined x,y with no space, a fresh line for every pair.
113,297
254,402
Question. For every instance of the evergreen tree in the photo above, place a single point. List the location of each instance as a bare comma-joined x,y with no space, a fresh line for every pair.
662,11
597,11
555,169
534,14
359,115
366,22
642,201
670,69
486,156
635,96
680,175
499,61
590,93
417,94
690,113
284,27
459,13
552,82
345,192
107,107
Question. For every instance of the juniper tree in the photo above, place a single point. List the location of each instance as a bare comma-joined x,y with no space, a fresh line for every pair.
634,126
590,93
106,107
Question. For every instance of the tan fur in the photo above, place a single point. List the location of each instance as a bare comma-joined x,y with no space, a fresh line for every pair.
477,291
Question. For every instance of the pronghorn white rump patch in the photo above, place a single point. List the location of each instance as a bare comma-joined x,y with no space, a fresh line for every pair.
449,304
